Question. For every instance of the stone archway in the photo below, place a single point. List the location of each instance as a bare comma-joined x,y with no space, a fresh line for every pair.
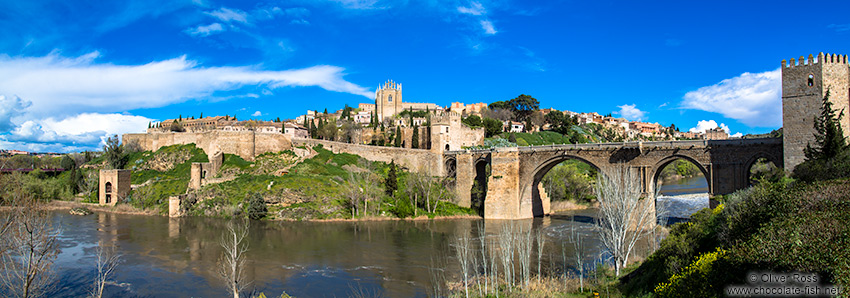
656,171
777,162
540,203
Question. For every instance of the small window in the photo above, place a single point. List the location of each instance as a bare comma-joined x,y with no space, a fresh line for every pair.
390,98
108,187
811,80
108,199
447,147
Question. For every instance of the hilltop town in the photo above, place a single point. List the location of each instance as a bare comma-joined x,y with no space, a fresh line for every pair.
390,121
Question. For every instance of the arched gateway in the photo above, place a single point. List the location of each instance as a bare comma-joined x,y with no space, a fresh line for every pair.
513,186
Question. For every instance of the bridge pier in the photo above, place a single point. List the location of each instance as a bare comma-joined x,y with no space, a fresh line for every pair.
503,199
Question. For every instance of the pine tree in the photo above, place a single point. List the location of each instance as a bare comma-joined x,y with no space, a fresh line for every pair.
414,143
181,117
149,124
202,116
312,129
326,111
391,184
398,136
829,137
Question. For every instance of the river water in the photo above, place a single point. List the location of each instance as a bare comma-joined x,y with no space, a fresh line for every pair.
165,257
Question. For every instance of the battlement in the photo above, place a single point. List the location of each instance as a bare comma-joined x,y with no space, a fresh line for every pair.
389,85
821,59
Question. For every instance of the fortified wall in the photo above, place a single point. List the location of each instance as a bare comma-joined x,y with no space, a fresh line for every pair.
449,133
417,160
246,144
804,84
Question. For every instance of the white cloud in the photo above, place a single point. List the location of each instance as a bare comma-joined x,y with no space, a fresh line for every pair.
57,85
59,104
256,114
359,4
229,15
86,131
10,107
751,98
488,27
631,112
704,125
203,31
475,9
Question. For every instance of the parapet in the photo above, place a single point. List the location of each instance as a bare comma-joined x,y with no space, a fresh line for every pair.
821,59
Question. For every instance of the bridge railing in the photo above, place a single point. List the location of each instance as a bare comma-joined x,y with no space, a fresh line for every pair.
656,144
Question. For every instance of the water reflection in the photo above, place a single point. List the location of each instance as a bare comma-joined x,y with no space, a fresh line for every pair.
165,257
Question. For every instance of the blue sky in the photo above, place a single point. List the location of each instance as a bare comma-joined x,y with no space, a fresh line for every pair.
73,72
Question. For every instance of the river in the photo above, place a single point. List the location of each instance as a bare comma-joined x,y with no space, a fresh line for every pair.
165,257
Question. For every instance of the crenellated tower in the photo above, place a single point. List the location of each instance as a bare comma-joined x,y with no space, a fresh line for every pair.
804,84
388,100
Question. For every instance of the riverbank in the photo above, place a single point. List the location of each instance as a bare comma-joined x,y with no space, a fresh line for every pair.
127,209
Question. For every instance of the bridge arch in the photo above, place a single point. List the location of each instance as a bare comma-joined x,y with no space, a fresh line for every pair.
532,191
656,171
748,165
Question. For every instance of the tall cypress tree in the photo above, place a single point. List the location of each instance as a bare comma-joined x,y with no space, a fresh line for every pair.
829,137
398,136
391,184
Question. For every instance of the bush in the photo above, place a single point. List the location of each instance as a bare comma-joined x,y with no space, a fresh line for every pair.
256,207
694,281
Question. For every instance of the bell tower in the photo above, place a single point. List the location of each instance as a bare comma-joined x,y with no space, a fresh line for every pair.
388,100
804,84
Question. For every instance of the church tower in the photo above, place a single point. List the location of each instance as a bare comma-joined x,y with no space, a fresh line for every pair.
388,100
804,84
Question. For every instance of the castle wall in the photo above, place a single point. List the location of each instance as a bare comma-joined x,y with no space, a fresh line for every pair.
449,130
416,160
801,103
246,144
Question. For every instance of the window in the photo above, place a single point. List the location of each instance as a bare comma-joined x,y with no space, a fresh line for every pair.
811,80
390,98
108,199
108,187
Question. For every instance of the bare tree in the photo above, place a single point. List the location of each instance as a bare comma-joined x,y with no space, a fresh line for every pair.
106,260
362,188
31,245
232,262
623,216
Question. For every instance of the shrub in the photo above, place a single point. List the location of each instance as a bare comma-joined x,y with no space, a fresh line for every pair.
694,281
256,207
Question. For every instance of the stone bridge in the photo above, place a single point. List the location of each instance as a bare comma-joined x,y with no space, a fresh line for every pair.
514,191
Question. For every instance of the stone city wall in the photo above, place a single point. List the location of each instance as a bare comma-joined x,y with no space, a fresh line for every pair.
416,160
246,144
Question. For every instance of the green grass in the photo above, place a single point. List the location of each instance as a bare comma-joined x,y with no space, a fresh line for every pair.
539,138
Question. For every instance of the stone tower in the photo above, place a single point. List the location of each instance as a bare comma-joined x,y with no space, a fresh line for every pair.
114,186
804,84
388,100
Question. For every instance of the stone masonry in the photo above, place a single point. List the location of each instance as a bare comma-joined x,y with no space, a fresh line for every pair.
804,84
113,186
513,188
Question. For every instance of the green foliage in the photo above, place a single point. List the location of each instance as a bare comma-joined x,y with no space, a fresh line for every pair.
772,226
829,158
114,153
492,127
35,184
391,183
695,280
473,121
539,138
256,207
409,113
570,180
680,167
67,163
522,106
